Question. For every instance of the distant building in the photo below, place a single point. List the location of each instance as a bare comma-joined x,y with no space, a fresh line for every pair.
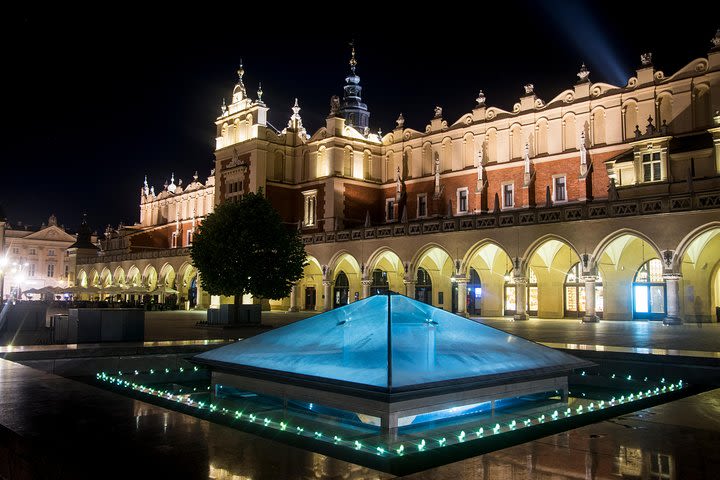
606,189
35,258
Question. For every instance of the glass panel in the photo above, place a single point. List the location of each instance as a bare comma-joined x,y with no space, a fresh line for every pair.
581,299
533,299
656,171
656,271
347,344
571,299
531,276
641,298
598,299
431,345
657,298
510,303
646,172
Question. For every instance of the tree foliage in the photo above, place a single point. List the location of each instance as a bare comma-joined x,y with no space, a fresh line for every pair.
243,247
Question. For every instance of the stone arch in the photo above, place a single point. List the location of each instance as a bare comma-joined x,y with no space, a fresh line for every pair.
570,132
187,285
82,279
439,264
618,257
491,141
598,126
310,286
167,276
345,262
698,260
541,136
447,154
468,150
550,257
388,261
516,142
119,277
94,278
134,279
150,277
106,279
491,263
630,111
664,109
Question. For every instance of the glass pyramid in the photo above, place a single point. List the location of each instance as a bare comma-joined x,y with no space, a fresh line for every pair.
391,343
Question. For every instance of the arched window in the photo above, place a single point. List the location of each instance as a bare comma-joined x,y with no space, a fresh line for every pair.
575,293
598,128
427,160
348,162
474,293
423,286
380,283
468,150
542,137
368,165
569,133
516,142
649,291
491,153
630,120
341,290
665,110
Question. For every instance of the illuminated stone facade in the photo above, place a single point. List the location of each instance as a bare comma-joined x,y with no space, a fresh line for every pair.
499,212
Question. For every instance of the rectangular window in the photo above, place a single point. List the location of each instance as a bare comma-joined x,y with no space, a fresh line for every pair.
422,205
51,253
651,167
31,270
32,252
16,251
189,238
310,208
51,270
559,193
462,200
508,195
173,241
390,209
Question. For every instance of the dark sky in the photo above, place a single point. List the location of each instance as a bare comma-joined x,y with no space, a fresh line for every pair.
94,100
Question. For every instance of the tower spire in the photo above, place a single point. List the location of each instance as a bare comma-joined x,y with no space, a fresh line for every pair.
353,61
353,110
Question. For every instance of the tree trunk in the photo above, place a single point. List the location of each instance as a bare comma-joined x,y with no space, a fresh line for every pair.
238,302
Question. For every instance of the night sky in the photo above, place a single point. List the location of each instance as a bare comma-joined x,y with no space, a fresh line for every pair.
96,100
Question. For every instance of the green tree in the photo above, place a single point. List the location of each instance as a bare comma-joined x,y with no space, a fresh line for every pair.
243,247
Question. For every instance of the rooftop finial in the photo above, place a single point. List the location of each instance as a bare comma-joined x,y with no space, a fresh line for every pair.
716,39
241,71
223,107
259,92
583,74
296,107
353,62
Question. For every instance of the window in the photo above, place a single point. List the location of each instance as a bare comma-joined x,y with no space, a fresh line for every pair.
575,293
189,238
51,253
310,208
174,242
422,205
559,193
651,167
31,270
16,250
508,196
51,270
462,200
390,209
32,252
234,190
661,467
649,290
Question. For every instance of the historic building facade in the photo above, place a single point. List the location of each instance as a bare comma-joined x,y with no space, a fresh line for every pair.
34,258
607,189
152,257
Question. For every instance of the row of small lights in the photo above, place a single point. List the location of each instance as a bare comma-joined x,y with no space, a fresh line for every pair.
423,445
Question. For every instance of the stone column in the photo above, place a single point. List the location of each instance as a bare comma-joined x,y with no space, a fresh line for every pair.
521,299
590,316
366,288
327,293
409,288
672,290
462,295
293,299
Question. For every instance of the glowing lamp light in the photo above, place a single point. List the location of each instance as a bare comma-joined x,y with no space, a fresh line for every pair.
421,445
358,445
480,432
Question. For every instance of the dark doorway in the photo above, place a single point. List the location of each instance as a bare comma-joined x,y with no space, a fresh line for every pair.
474,293
342,289
310,297
423,286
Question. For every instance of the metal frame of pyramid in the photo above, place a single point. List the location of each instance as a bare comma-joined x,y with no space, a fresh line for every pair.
390,357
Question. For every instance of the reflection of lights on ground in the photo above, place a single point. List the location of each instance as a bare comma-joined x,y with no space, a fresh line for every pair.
410,442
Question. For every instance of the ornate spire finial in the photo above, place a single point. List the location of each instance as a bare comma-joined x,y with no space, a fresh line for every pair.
480,99
240,72
296,107
716,40
223,107
353,61
259,92
400,121
583,74
195,176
